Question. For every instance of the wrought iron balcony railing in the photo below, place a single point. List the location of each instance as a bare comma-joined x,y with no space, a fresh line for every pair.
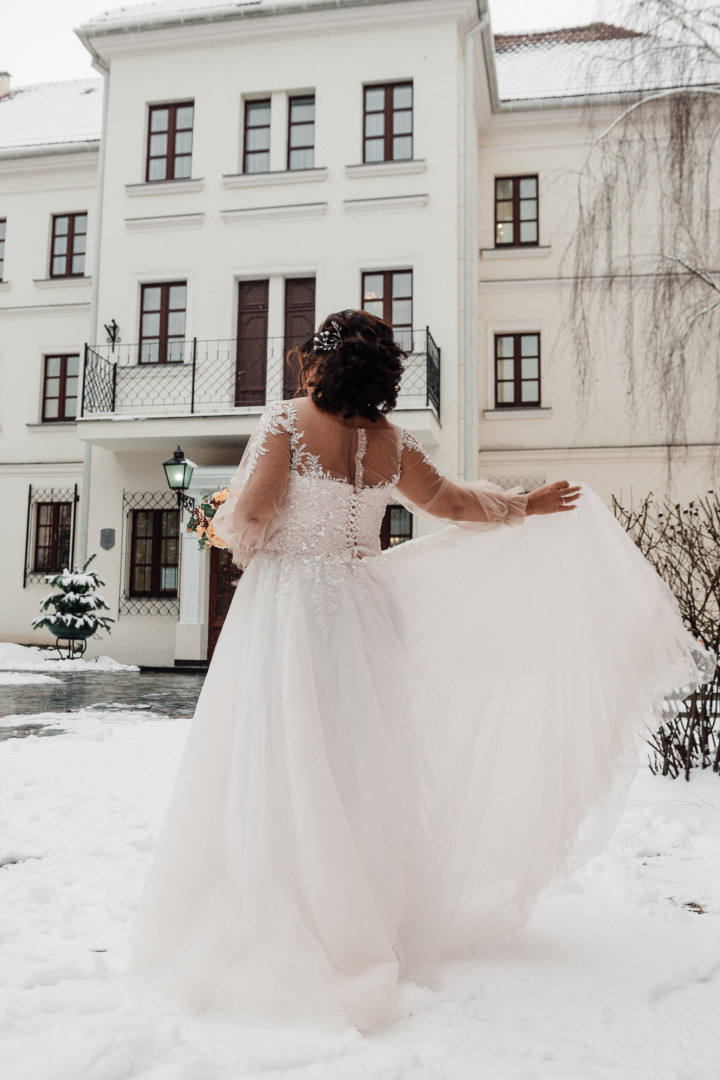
218,376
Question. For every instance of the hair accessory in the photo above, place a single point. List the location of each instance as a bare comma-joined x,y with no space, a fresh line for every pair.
328,340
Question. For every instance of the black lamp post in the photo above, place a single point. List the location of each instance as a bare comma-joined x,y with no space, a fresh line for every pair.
179,474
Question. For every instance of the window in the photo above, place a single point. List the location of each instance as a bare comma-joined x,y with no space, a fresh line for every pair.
517,370
3,224
388,122
154,550
301,133
396,527
60,387
516,211
170,138
67,253
162,323
53,521
256,158
388,294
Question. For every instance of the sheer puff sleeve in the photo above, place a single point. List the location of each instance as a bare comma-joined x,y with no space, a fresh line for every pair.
475,504
251,511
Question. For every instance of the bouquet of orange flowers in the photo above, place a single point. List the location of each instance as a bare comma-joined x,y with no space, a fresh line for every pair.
201,520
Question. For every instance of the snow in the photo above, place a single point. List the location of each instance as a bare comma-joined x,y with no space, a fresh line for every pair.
616,977
21,678
188,9
30,658
51,113
557,69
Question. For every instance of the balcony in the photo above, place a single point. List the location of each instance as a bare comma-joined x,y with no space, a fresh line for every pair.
223,377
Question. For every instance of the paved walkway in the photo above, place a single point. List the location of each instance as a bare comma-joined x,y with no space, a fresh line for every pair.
170,694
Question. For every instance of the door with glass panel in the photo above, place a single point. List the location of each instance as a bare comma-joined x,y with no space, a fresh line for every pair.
252,343
299,325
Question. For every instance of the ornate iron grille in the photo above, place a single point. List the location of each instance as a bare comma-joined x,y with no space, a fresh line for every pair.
45,495
143,605
99,374
527,483
208,377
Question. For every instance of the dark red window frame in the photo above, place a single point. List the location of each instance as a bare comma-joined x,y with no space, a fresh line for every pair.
53,527
520,205
517,381
383,305
247,152
154,547
389,112
74,238
163,339
170,156
62,382
396,528
300,99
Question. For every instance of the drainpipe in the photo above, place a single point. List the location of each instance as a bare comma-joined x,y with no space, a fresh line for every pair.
84,515
469,252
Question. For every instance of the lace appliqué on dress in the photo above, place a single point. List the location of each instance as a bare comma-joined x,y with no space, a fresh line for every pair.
411,443
278,417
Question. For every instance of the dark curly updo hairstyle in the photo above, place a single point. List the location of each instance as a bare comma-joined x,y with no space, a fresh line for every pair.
352,365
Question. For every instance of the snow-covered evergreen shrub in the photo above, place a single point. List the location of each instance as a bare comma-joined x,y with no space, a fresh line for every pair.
75,608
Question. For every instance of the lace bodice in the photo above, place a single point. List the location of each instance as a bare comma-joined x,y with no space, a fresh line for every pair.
326,515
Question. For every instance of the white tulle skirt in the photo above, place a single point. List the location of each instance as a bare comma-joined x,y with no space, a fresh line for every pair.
370,792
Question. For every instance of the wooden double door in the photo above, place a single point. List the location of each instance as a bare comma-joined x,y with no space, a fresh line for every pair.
224,577
253,345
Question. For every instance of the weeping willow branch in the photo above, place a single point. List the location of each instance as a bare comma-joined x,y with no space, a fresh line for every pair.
645,255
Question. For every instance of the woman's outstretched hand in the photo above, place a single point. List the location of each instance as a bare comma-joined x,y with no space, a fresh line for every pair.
553,498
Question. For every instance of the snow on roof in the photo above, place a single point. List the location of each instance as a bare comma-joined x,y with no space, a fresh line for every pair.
594,59
195,9
51,114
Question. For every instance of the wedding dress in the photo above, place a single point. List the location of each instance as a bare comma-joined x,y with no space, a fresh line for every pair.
394,752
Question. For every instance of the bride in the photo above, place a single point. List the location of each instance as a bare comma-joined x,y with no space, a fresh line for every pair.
394,752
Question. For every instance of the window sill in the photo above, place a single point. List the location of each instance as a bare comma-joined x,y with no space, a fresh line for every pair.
45,425
515,252
164,187
5,285
61,282
164,221
540,412
385,168
287,176
274,213
390,203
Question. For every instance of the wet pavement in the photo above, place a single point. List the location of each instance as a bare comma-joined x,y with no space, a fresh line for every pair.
158,693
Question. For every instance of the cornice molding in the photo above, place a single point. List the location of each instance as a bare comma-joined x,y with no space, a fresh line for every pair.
386,204
62,283
162,222
268,179
32,310
540,252
72,469
385,168
184,31
292,211
164,187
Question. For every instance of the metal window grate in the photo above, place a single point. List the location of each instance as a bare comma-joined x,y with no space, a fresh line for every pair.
143,605
45,495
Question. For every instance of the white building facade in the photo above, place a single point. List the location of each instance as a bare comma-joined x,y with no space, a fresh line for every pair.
161,258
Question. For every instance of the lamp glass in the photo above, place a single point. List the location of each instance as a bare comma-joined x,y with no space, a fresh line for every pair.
178,471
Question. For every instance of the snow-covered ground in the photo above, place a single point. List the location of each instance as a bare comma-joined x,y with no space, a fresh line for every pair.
30,658
616,976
